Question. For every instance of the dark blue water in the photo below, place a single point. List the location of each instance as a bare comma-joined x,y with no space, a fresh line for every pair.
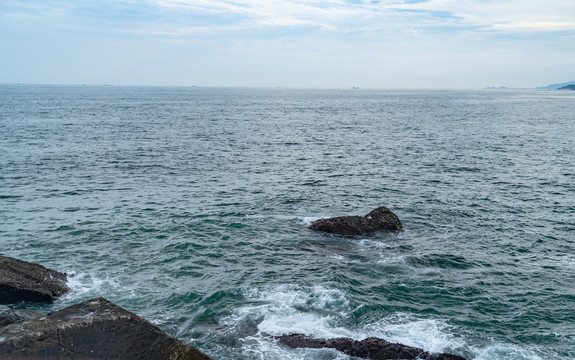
190,207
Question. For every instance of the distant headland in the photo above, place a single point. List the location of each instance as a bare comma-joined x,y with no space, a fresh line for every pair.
562,86
570,85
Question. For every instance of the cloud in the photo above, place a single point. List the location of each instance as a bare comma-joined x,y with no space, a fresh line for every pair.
261,13
345,16
361,17
506,15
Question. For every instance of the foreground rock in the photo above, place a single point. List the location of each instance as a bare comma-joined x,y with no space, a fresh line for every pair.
95,329
25,281
370,348
379,219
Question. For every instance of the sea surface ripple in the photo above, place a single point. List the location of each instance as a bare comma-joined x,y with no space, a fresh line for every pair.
190,207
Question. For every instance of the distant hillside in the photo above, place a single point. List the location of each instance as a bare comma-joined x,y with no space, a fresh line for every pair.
557,86
567,87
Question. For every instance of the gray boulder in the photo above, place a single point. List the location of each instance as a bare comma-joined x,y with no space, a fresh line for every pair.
370,348
94,329
25,281
379,219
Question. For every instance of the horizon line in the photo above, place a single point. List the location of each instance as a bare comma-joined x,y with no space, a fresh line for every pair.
352,87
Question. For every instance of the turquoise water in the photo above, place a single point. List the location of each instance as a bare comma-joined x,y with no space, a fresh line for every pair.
190,207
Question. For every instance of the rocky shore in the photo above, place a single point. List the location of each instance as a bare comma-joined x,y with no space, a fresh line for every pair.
93,329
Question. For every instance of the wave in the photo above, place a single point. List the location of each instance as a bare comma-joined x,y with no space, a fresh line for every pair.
323,312
85,285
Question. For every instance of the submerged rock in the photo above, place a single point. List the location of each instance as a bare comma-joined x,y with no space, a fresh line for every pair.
25,281
379,219
10,316
370,348
94,329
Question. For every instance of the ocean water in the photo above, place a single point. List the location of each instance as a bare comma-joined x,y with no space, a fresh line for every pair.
190,207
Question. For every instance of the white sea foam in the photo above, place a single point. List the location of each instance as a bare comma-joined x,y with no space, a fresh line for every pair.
437,335
288,309
369,244
285,309
389,259
568,261
308,220
506,352
433,335
262,348
84,285
385,252
318,311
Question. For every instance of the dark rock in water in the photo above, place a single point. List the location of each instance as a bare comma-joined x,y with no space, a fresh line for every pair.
94,329
370,348
25,281
379,219
10,316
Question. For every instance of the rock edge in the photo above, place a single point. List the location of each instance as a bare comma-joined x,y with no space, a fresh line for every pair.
26,281
370,348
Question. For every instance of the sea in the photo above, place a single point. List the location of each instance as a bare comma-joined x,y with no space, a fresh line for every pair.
190,207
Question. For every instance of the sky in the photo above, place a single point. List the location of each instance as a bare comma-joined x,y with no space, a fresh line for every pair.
396,44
